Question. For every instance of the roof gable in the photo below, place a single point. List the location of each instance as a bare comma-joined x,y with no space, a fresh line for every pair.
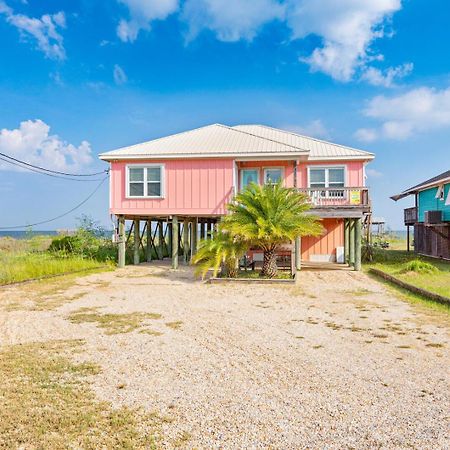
243,141
444,177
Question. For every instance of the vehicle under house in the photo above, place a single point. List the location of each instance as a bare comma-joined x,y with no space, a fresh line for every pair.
174,189
430,216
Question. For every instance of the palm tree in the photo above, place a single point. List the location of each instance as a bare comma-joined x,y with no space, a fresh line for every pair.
221,252
268,216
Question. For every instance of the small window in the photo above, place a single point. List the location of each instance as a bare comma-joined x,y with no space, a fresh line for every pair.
273,176
440,192
249,176
145,181
327,177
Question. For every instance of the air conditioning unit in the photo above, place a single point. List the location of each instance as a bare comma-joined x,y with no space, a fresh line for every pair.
433,217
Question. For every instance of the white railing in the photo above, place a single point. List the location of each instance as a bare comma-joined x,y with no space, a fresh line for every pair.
346,196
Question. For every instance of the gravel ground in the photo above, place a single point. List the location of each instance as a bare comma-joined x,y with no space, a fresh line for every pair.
335,361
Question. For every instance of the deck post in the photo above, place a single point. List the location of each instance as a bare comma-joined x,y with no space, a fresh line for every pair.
174,241
186,241
137,238
358,244
194,231
161,239
149,241
298,253
122,239
169,237
202,228
351,242
407,238
346,241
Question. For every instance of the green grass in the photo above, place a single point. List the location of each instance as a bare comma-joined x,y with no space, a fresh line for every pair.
281,275
47,403
426,273
21,266
112,323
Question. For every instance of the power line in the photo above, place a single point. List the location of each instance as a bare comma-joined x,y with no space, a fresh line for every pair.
50,170
48,174
61,215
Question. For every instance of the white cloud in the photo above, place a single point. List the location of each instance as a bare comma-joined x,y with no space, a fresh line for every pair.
142,13
119,75
366,134
387,78
230,20
373,173
44,30
347,28
418,110
32,143
313,129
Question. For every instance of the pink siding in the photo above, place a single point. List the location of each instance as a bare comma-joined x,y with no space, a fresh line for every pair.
194,187
354,172
326,244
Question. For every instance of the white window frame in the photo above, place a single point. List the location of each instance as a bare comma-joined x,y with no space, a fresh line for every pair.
440,193
243,169
162,168
281,169
327,181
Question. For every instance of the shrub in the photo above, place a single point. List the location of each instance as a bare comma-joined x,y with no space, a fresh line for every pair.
416,265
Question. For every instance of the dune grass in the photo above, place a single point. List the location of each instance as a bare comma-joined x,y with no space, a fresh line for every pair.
426,273
47,403
21,266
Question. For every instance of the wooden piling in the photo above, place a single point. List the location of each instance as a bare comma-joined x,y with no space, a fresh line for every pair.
122,239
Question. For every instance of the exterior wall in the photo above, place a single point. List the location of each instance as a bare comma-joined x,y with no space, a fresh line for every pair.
354,172
288,168
432,240
323,248
427,201
200,187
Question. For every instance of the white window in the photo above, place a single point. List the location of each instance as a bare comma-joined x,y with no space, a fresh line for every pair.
249,176
145,181
273,175
440,192
326,177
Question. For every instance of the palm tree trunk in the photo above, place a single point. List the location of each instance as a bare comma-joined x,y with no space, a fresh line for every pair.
269,267
231,270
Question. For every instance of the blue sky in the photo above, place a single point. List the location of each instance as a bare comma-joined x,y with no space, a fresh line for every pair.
81,77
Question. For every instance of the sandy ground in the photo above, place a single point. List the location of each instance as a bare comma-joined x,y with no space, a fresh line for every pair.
335,361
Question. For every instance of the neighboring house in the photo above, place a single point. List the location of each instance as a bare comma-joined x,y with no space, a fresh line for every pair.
187,179
430,216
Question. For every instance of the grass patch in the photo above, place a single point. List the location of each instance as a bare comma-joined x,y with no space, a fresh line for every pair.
426,273
112,323
361,292
47,403
281,275
22,266
174,325
150,332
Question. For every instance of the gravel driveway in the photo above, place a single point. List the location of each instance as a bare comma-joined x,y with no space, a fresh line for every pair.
335,361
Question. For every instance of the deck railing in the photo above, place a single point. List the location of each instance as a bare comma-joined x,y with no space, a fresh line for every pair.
410,215
346,196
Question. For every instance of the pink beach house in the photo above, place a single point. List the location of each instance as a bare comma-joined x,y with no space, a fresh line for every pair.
175,188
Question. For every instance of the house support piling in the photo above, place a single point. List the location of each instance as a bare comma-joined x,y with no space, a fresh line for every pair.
351,243
346,241
137,240
149,241
186,241
357,226
174,242
122,239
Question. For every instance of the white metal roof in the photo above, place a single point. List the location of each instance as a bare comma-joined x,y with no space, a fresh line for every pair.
318,149
243,141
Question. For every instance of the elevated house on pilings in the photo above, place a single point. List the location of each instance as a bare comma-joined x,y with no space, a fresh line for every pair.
174,189
430,216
